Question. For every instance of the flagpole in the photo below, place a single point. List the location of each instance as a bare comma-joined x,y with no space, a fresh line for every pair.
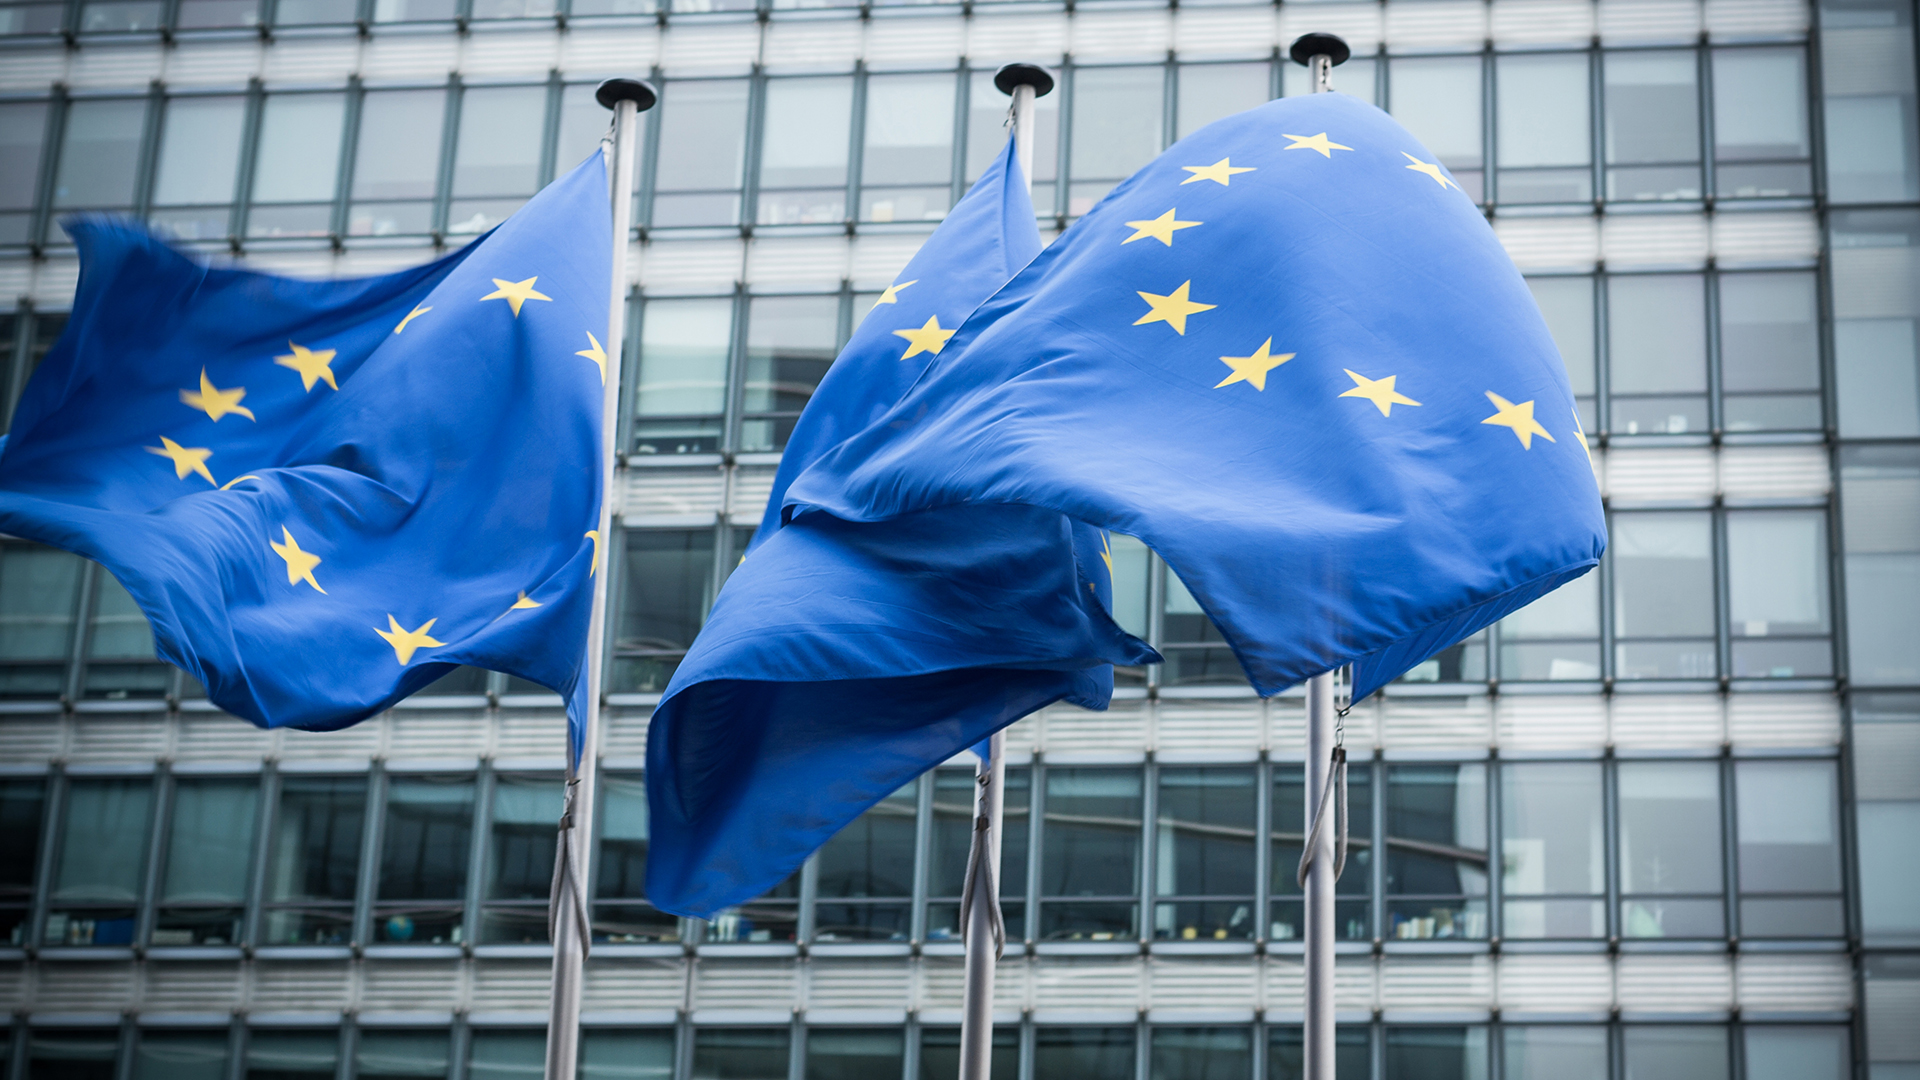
567,915
983,930
1319,52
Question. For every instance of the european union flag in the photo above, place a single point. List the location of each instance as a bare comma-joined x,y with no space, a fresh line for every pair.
326,494
843,659
1289,355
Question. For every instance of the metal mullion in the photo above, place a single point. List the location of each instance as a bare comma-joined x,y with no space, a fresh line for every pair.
477,852
1496,843
349,1045
1156,616
856,144
267,806
750,160
649,160
922,855
53,139
1063,155
249,161
1142,1047
1597,117
629,370
962,109
550,141
1145,889
803,915
82,637
356,95
149,149
236,1047
1488,171
1169,100
1377,888
797,1046
459,1046
129,1035
910,1047
449,146
1716,412
1730,854
51,833
1036,813
161,802
1722,597
373,834
1610,838
1709,178
735,401
17,374
1263,851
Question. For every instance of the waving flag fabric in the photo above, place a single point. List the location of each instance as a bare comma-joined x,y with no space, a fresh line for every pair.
326,494
1289,355
844,659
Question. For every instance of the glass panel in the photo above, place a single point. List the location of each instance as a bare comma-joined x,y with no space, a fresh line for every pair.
791,341
1352,1053
1653,125
181,1055
1777,580
100,157
1208,92
987,133
1437,851
1674,1052
1789,833
803,154
1544,141
1352,909
513,9
23,126
216,14
621,872
298,163
1866,49
626,1055
423,859
1084,1053
313,12
1770,352
507,1055
203,888
1876,330
23,19
1091,848
1203,841
740,1054
121,16
668,586
1556,1052
1657,347
1880,500
1779,1052
520,852
400,1055
413,10
1201,1053
1117,115
1130,569
1567,305
22,803
39,588
1760,142
71,1055
120,656
101,861
292,1055
952,833
397,163
907,143
583,123
496,163
940,1054
854,1054
703,138
1669,848
1663,589
872,858
1552,851
198,164
1438,100
1437,1053
1555,637
314,863
684,347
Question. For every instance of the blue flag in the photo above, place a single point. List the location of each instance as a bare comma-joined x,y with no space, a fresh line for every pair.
1289,355
844,659
326,494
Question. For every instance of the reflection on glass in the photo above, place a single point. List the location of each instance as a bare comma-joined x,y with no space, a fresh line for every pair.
216,14
1208,92
401,1055
313,865
1437,1053
120,659
726,1053
520,858
1091,853
1200,1053
32,19
197,165
854,1053
1095,1053
703,146
413,10
865,873
22,804
1777,585
100,863
1436,851
1567,305
55,1054
1553,1052
1657,353
1552,854
791,341
1544,136
180,1055
1352,1053
121,16
507,1055
1663,595
987,132
680,389
667,588
1675,1051
1653,125
1352,910
620,915
1117,116
496,160
1770,352
1438,100
1797,1052
1788,821
423,860
314,12
907,165
23,126
397,164
1557,637
297,164
1760,140
625,1053
100,156
1670,853
940,1054
1203,854
292,1055
1195,649
803,153
203,888
39,589
1873,154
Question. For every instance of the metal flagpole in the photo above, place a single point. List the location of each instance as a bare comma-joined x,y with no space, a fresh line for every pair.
567,907
984,932
1319,865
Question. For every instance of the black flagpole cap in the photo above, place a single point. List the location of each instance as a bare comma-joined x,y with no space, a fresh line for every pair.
1016,75
614,91
1308,46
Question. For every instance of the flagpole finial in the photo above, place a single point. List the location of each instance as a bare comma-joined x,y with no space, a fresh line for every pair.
1308,46
1013,76
614,91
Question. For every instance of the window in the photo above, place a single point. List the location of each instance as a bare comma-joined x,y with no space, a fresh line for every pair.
665,590
313,863
1880,497
1438,100
1663,595
1437,1053
414,10
1085,1053
496,162
951,838
1352,1053
39,589
680,390
1769,352
523,832
100,155
803,151
1653,125
1209,92
1675,1051
1760,140
32,19
1200,1053
507,1055
987,132
1553,1052
101,861
1436,852
1788,821
216,14
1876,330
1553,855
1203,855
1132,571
1117,118
940,1053
865,874
23,126
1543,142
181,1055
397,162
1886,793
1557,637
791,341
1657,354
22,805
1352,909
772,916
906,165
619,912
121,16
1867,53
1670,853
423,862
400,1055
1567,305
209,858
199,163
1090,855
702,153
740,1053
297,165
82,1054
1196,651
1777,593
854,1053
1797,1052
120,656
292,1055
626,1054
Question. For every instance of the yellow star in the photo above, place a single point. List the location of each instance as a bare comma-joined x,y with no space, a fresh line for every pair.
1106,552
1253,368
892,295
228,486
405,641
1580,433
1161,228
310,363
215,402
1314,142
300,564
1519,418
1378,391
412,315
929,338
597,355
523,603
1219,172
515,293
186,459
1171,309
594,535
1430,169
